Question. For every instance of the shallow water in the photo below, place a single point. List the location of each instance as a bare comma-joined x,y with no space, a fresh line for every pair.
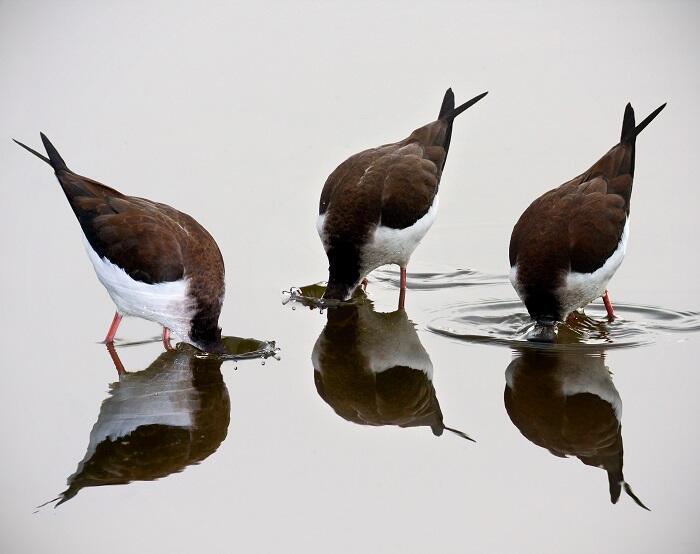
343,444
507,322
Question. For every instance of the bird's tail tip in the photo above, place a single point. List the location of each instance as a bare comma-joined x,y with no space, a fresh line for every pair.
629,130
54,159
450,114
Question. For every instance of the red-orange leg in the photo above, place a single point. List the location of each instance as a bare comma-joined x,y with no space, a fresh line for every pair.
608,306
166,339
113,328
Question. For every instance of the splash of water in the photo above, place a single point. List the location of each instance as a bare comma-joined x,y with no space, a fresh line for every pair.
311,296
237,348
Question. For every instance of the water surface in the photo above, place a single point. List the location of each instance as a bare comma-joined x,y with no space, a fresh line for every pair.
236,115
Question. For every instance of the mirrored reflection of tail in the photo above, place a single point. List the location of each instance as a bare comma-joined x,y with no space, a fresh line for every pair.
459,433
155,422
565,401
372,369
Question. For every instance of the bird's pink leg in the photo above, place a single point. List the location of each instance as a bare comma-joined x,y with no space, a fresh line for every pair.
608,306
166,339
115,358
109,339
403,278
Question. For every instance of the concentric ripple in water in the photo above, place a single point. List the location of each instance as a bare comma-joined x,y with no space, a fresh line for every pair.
506,322
426,280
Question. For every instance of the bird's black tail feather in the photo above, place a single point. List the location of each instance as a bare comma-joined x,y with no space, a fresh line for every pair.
628,123
54,159
450,114
448,104
629,131
28,149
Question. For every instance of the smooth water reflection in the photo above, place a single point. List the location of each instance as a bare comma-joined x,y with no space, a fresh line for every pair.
155,422
566,402
372,369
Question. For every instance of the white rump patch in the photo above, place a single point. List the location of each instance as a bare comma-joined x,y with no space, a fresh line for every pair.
319,227
513,276
580,289
395,246
164,303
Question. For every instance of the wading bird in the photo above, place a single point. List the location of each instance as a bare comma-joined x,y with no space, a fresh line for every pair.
570,241
156,263
377,205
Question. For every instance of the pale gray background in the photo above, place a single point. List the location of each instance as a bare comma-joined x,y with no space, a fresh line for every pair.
236,113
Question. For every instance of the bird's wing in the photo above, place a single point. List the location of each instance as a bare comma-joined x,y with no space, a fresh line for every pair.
596,224
138,235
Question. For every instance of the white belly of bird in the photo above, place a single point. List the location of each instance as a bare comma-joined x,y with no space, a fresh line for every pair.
580,289
395,246
166,303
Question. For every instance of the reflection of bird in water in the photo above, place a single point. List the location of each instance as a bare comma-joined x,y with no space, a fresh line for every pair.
372,369
565,401
155,422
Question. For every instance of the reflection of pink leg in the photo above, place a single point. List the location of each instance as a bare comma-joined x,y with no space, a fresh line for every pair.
363,284
113,328
115,358
402,289
166,339
608,306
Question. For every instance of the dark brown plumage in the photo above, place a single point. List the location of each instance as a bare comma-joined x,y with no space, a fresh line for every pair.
390,187
575,229
152,243
565,402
